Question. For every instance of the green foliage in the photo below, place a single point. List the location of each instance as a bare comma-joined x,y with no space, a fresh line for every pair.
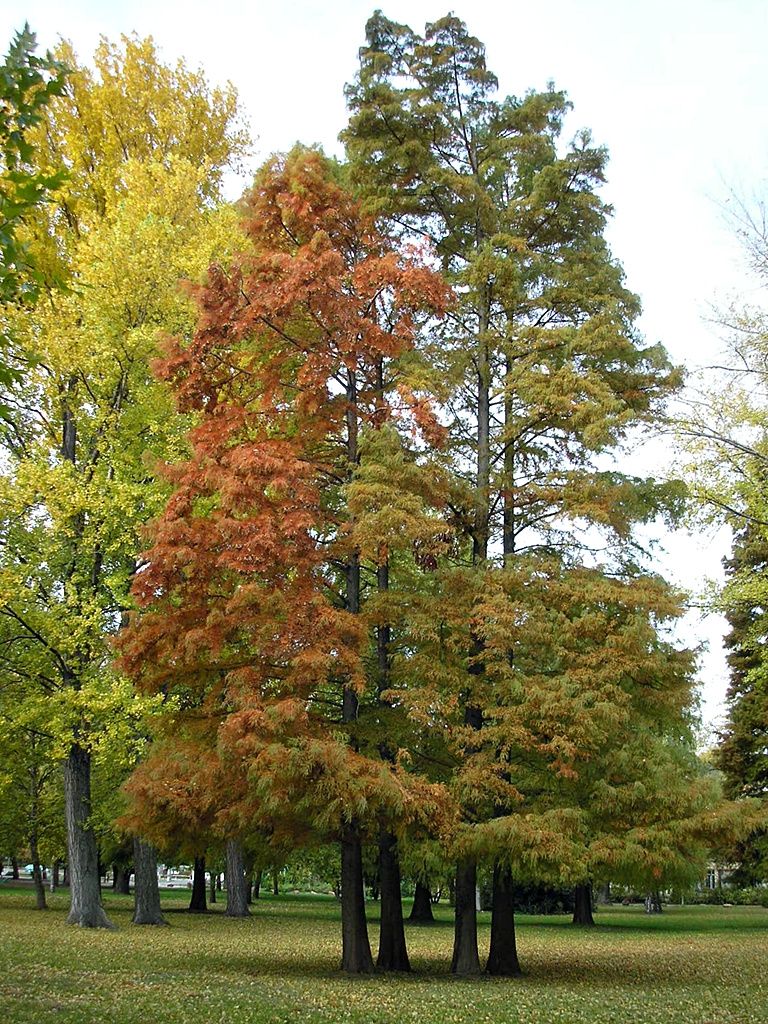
542,367
27,85
81,433
741,754
726,440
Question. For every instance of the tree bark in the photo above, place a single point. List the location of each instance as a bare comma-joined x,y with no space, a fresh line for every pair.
212,888
356,950
146,891
653,903
85,892
37,873
122,879
257,884
237,896
198,904
421,911
502,958
582,906
603,894
466,960
248,863
393,954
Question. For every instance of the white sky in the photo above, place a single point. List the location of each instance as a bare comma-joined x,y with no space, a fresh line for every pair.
676,89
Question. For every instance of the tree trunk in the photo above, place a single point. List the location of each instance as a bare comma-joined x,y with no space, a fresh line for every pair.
248,863
275,884
212,888
653,903
37,873
466,960
146,891
237,897
421,911
356,950
85,892
122,880
502,958
198,905
257,884
393,954
603,894
15,869
582,905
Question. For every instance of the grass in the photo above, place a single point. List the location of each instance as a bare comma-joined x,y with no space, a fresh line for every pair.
692,965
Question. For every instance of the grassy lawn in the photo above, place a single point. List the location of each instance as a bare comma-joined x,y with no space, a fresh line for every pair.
692,965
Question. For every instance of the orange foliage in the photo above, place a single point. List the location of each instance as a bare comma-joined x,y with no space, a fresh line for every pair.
295,353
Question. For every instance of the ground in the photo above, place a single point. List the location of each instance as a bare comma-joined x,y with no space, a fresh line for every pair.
692,965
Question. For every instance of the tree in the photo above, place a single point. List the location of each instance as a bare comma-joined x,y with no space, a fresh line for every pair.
741,753
147,908
252,595
546,374
27,84
135,215
31,816
726,457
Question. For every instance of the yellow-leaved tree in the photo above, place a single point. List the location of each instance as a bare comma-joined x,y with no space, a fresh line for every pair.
145,145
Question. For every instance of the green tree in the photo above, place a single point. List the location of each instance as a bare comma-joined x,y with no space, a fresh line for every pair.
27,84
741,755
31,814
145,146
725,439
546,373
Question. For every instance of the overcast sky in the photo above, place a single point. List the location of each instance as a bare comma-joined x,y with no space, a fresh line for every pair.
676,89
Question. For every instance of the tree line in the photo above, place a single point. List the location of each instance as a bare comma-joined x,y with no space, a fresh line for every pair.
334,543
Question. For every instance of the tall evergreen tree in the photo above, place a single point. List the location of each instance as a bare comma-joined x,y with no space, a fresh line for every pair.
742,754
546,371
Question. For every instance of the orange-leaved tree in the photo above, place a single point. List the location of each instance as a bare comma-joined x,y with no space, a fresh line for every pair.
252,593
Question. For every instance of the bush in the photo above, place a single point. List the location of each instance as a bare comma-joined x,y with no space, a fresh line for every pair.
749,896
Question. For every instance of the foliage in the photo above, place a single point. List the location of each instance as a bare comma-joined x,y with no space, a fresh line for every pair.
541,661
299,373
27,84
741,754
77,485
79,437
726,440
542,365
